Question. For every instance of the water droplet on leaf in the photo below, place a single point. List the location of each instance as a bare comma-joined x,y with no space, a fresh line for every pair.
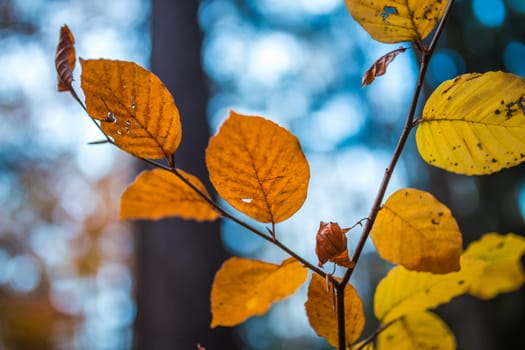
110,117
246,200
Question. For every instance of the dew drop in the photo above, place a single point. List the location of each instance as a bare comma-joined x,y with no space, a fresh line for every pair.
119,132
110,117
133,105
246,200
128,126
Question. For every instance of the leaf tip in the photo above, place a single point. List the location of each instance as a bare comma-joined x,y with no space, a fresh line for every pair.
65,59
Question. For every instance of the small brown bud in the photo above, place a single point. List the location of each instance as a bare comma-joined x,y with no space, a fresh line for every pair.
332,244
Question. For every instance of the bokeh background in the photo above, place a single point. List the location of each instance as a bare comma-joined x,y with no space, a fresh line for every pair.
72,276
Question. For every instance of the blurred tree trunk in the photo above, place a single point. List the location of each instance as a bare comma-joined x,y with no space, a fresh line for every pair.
176,260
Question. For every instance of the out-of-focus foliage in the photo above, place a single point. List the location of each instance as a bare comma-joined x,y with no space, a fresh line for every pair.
504,270
65,262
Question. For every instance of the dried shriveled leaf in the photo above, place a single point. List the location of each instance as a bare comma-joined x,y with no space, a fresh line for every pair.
258,167
474,124
331,244
65,59
418,331
244,288
159,193
380,66
504,270
403,292
323,317
417,231
392,21
134,107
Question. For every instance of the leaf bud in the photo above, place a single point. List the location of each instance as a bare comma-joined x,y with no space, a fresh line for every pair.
331,244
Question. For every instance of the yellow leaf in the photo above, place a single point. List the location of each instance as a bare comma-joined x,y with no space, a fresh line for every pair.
504,270
418,331
369,346
323,317
134,107
159,193
403,292
244,288
474,124
258,167
417,231
392,21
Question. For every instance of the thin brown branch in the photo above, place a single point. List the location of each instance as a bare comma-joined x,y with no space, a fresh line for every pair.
426,55
374,334
270,238
341,328
409,125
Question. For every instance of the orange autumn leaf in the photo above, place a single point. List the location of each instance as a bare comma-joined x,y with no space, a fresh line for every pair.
323,317
417,231
65,59
258,167
244,288
134,107
331,244
159,193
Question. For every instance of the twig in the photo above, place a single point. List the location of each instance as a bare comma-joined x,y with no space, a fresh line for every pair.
426,55
374,334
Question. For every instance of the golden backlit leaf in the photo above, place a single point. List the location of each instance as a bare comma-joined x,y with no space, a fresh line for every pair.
403,292
323,317
258,167
379,67
417,231
134,107
244,288
331,244
159,193
474,124
418,331
392,21
65,59
504,270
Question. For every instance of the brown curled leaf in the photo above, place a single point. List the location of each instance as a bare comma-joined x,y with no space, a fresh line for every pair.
331,244
65,59
379,67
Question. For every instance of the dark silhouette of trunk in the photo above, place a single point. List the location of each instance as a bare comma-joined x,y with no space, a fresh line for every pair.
176,260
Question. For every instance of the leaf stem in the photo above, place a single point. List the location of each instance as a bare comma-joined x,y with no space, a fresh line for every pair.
341,328
426,55
374,334
270,238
